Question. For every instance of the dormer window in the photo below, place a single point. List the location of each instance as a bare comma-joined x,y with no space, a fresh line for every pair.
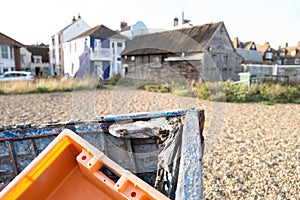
37,59
253,46
269,55
282,54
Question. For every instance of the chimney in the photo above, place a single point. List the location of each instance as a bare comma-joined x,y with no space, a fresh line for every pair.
79,17
286,44
123,24
73,20
236,42
175,21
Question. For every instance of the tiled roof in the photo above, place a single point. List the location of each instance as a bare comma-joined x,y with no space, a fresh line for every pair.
248,45
4,39
263,48
192,39
40,51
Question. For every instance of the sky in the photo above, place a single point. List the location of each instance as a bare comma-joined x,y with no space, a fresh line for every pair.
273,21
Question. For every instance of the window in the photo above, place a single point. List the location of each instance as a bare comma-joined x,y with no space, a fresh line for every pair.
72,69
119,44
4,52
97,43
11,52
113,47
269,55
37,59
226,59
297,61
22,58
282,53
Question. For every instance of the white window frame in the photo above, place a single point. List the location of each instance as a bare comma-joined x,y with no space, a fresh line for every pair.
4,51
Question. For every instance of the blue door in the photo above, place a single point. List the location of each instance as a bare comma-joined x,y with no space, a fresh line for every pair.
106,69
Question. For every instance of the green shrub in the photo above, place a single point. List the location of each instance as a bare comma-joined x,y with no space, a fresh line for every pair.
268,91
267,103
114,79
153,87
42,89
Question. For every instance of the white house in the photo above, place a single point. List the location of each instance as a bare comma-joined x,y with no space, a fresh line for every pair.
97,51
74,29
39,60
25,59
9,54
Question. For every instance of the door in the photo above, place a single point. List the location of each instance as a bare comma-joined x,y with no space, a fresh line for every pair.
106,69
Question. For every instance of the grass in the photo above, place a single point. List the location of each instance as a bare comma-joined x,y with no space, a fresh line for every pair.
267,93
47,85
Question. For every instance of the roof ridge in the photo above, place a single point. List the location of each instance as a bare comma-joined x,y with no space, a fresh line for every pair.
182,29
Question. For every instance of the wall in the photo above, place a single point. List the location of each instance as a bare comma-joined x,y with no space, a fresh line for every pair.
26,58
153,67
72,56
223,55
17,57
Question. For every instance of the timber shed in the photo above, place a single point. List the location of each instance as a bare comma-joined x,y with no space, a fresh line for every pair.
198,53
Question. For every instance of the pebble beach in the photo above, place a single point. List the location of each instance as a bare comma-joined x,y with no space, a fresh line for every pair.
252,151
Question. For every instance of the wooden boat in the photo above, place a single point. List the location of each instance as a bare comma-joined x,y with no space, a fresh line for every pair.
155,155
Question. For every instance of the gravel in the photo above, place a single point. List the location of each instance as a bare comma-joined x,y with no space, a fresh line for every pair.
252,151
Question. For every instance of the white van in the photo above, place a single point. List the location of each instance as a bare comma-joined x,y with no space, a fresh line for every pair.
16,75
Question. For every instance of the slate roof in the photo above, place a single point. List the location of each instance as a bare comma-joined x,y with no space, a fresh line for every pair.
39,51
100,31
250,55
4,39
192,39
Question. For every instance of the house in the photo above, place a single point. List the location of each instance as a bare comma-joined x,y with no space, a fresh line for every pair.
38,62
74,29
237,44
9,54
259,60
289,55
269,54
139,28
97,50
198,53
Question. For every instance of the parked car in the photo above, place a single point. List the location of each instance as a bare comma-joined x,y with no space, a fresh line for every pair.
16,75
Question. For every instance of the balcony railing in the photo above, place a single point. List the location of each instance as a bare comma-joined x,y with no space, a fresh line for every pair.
101,54
41,65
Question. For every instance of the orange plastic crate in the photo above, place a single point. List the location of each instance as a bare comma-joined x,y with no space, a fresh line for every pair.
71,168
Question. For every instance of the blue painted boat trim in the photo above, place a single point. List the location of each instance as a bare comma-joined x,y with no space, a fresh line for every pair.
32,131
